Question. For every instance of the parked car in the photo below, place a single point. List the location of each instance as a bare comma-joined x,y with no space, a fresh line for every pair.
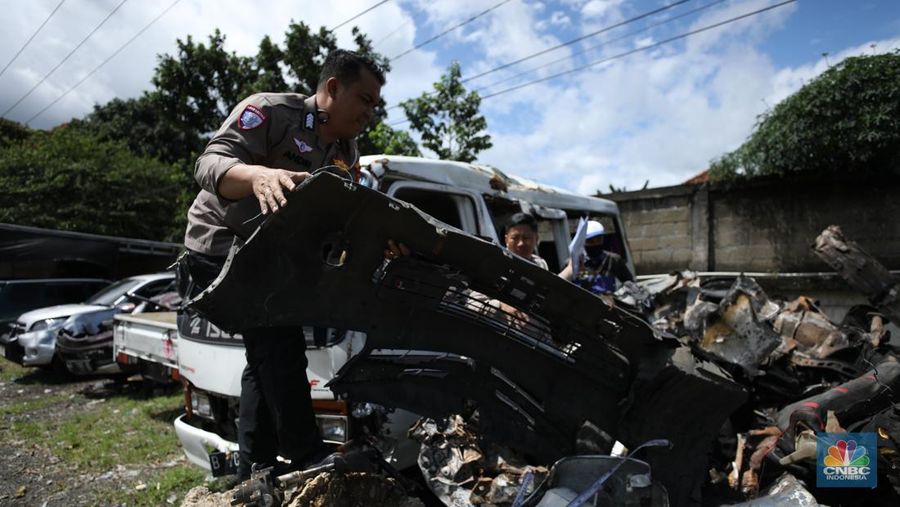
85,341
32,339
20,296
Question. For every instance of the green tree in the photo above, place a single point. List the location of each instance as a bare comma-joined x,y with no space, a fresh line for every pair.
193,91
198,87
846,121
68,179
448,119
384,139
12,132
142,124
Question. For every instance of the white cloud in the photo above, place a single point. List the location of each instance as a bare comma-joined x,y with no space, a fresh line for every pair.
599,8
130,72
660,115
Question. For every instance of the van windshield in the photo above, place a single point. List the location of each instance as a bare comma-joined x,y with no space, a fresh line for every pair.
109,295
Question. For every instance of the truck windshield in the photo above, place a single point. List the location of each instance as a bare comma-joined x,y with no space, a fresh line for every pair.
109,295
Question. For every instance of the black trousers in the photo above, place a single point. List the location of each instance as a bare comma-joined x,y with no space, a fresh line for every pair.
276,415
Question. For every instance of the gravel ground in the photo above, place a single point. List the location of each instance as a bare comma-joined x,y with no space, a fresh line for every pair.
75,441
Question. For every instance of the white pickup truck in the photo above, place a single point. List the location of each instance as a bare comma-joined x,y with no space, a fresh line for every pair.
209,361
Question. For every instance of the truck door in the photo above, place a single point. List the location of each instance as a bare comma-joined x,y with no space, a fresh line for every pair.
457,207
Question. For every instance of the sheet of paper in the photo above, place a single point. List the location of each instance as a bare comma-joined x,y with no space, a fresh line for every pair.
576,247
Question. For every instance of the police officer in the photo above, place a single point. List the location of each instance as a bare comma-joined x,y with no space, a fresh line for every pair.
268,144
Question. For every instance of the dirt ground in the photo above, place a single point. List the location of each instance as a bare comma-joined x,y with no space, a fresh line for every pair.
76,441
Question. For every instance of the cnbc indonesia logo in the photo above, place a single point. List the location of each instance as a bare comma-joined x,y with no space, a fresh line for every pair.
845,460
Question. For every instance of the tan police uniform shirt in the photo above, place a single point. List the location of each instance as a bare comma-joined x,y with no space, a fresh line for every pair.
278,130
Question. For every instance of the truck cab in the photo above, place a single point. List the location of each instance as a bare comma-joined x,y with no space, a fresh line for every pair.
475,199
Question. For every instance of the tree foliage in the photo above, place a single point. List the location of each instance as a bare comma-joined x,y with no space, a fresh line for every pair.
127,168
68,179
448,119
388,141
195,89
12,132
846,121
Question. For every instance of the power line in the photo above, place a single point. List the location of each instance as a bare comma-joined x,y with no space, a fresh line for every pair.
391,34
33,88
631,52
445,32
104,62
604,43
19,52
643,48
569,42
356,16
578,39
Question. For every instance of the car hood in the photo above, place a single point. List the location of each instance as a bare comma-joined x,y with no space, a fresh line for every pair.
56,312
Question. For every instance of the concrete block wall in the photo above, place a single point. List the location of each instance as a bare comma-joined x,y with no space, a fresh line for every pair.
761,226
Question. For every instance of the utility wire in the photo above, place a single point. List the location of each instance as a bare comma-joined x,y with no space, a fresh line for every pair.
88,36
356,16
631,52
604,43
19,52
643,48
104,62
569,42
578,39
445,32
388,36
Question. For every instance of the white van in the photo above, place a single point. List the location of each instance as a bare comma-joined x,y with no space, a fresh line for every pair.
475,199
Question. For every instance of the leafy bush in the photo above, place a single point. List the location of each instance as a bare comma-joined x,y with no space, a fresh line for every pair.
71,180
846,121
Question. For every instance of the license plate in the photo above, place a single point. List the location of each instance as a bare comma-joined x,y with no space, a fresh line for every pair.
223,463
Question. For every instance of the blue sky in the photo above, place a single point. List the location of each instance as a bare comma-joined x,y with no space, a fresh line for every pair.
660,115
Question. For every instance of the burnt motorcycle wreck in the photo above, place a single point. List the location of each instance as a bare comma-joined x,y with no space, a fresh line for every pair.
525,407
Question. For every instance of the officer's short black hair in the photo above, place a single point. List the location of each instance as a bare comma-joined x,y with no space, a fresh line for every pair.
522,219
346,67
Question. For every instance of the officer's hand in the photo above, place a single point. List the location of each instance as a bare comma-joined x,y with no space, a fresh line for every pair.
269,185
517,318
395,250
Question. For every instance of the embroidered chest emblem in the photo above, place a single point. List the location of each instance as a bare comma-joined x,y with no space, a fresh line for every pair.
302,146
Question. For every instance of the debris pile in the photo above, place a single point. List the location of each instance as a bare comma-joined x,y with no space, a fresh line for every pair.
461,473
805,375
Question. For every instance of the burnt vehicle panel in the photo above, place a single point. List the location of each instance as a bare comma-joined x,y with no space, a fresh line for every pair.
85,341
535,381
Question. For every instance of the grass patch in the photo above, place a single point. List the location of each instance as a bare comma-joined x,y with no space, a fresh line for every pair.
32,405
119,431
95,435
10,371
161,486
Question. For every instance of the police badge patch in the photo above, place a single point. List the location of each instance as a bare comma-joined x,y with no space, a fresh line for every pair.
251,118
302,146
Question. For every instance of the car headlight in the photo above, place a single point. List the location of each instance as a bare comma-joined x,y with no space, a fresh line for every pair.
200,405
332,427
47,324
